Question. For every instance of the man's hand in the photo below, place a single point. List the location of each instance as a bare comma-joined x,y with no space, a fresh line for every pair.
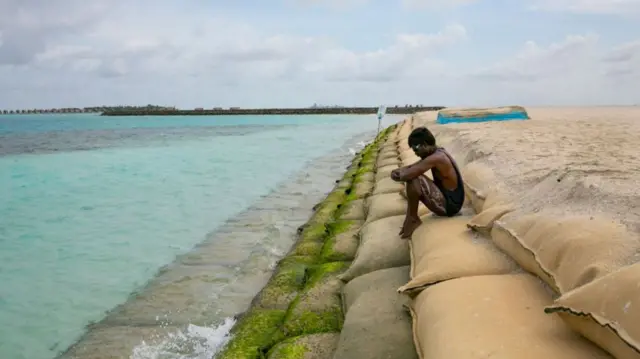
396,175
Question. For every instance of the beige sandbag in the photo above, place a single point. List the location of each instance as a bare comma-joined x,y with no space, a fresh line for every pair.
361,189
341,247
387,185
409,161
443,248
606,311
382,162
376,325
380,247
494,316
478,178
483,221
389,151
353,210
403,146
388,278
313,346
385,172
318,308
388,205
565,252
406,153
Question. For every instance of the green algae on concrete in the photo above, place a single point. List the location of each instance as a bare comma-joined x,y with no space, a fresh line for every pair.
314,346
342,243
253,334
283,287
351,210
318,308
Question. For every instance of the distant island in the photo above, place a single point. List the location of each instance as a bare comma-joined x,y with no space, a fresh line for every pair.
94,109
153,110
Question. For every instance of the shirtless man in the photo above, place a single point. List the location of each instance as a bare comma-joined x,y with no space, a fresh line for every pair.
444,195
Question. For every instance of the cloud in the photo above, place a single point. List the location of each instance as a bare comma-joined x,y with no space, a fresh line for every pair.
614,7
571,57
28,25
198,48
623,61
435,4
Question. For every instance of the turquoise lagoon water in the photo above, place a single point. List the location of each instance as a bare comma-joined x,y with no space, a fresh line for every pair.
93,206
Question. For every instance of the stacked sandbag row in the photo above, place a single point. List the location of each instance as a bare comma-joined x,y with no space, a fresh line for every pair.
376,325
299,312
506,284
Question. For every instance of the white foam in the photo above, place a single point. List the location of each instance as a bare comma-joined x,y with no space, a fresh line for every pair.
194,342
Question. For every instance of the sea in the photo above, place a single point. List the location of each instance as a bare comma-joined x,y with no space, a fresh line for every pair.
95,210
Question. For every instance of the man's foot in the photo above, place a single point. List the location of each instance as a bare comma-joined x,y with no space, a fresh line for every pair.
406,220
410,225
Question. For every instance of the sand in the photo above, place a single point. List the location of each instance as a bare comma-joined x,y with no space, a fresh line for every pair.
562,161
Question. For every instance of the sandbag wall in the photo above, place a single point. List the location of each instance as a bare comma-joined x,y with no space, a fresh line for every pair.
497,282
299,313
376,323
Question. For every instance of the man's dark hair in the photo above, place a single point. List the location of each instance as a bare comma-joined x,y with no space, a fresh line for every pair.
421,136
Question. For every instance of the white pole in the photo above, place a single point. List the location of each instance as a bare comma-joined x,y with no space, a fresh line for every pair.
381,112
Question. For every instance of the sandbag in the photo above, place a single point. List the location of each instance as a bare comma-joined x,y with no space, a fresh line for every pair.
478,178
387,185
565,252
353,210
385,172
495,316
606,311
361,189
382,162
342,246
406,153
318,307
388,152
380,247
376,325
383,278
283,286
388,205
483,221
443,248
314,346
409,161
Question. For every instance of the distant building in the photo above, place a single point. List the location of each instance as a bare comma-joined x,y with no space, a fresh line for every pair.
199,109
234,108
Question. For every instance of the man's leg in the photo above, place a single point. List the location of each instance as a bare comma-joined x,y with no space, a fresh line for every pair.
421,189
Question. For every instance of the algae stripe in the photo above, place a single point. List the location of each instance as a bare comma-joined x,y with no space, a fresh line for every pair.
302,297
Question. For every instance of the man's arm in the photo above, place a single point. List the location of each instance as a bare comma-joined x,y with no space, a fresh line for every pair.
410,172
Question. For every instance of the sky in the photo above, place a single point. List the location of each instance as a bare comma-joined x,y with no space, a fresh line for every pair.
291,53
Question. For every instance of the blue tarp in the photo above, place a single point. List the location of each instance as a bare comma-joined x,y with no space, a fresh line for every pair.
515,115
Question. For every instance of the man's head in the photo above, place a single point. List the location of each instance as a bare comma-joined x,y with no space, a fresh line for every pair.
422,142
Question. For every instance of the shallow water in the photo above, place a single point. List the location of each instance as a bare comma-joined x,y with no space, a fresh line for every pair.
93,206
